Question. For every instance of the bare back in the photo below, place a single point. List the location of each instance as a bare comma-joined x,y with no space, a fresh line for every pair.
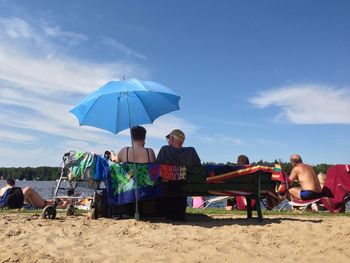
142,155
306,177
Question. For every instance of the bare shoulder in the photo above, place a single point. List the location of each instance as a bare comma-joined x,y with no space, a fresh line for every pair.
151,150
296,169
122,150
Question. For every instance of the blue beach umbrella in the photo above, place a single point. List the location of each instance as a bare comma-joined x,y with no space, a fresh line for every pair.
119,105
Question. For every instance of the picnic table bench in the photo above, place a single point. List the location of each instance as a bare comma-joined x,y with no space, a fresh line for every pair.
253,182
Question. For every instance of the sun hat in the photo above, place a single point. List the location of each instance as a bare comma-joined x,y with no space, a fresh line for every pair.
178,133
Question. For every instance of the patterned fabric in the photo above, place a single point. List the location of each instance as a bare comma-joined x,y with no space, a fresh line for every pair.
171,172
236,172
281,179
86,166
121,183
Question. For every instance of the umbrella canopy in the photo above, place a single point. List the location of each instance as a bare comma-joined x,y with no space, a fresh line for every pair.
119,105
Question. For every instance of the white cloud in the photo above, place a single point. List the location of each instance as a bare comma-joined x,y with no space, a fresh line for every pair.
70,37
308,103
37,89
15,137
222,140
15,28
165,124
110,42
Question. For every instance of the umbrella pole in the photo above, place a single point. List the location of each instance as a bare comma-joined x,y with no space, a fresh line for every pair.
137,215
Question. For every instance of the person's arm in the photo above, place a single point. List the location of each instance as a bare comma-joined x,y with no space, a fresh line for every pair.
160,156
152,156
293,175
196,159
116,157
122,155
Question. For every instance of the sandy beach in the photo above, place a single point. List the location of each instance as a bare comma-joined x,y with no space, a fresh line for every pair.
290,238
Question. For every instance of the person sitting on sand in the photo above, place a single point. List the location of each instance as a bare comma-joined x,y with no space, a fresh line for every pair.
31,197
141,154
304,174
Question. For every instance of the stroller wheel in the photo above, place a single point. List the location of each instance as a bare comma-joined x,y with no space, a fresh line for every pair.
70,210
49,212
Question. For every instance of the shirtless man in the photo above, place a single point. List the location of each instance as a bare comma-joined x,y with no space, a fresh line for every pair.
306,177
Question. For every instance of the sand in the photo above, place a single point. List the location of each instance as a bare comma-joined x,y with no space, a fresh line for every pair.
290,238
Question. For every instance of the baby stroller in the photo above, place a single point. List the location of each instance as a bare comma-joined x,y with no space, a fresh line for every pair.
79,170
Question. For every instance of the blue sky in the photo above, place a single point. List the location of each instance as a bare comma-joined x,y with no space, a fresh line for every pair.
262,78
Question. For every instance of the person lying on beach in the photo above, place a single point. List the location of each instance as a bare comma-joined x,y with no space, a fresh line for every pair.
141,154
305,175
31,197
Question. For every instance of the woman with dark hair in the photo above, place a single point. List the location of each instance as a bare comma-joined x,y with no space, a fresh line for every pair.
138,153
242,160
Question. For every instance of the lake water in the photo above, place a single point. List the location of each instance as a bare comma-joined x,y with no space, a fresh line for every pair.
46,189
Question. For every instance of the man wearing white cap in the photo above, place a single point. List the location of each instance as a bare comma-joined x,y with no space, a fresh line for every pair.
175,153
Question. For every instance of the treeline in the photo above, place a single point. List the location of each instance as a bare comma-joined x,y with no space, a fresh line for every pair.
46,173
43,173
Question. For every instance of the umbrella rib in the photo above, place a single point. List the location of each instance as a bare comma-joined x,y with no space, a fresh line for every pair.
162,94
86,114
144,106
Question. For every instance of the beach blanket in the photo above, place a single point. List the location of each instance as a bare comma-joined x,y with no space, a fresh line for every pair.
337,188
121,182
282,180
86,166
223,173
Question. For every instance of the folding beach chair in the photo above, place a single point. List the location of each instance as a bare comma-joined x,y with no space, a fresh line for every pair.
214,200
302,204
337,188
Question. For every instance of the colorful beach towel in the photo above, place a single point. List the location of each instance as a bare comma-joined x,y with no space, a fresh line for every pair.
121,182
170,172
81,165
86,166
225,172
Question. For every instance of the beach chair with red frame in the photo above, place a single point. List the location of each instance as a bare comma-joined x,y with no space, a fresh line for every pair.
337,188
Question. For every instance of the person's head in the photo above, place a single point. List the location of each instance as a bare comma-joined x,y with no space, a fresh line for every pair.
295,159
138,133
176,138
10,182
242,160
321,178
